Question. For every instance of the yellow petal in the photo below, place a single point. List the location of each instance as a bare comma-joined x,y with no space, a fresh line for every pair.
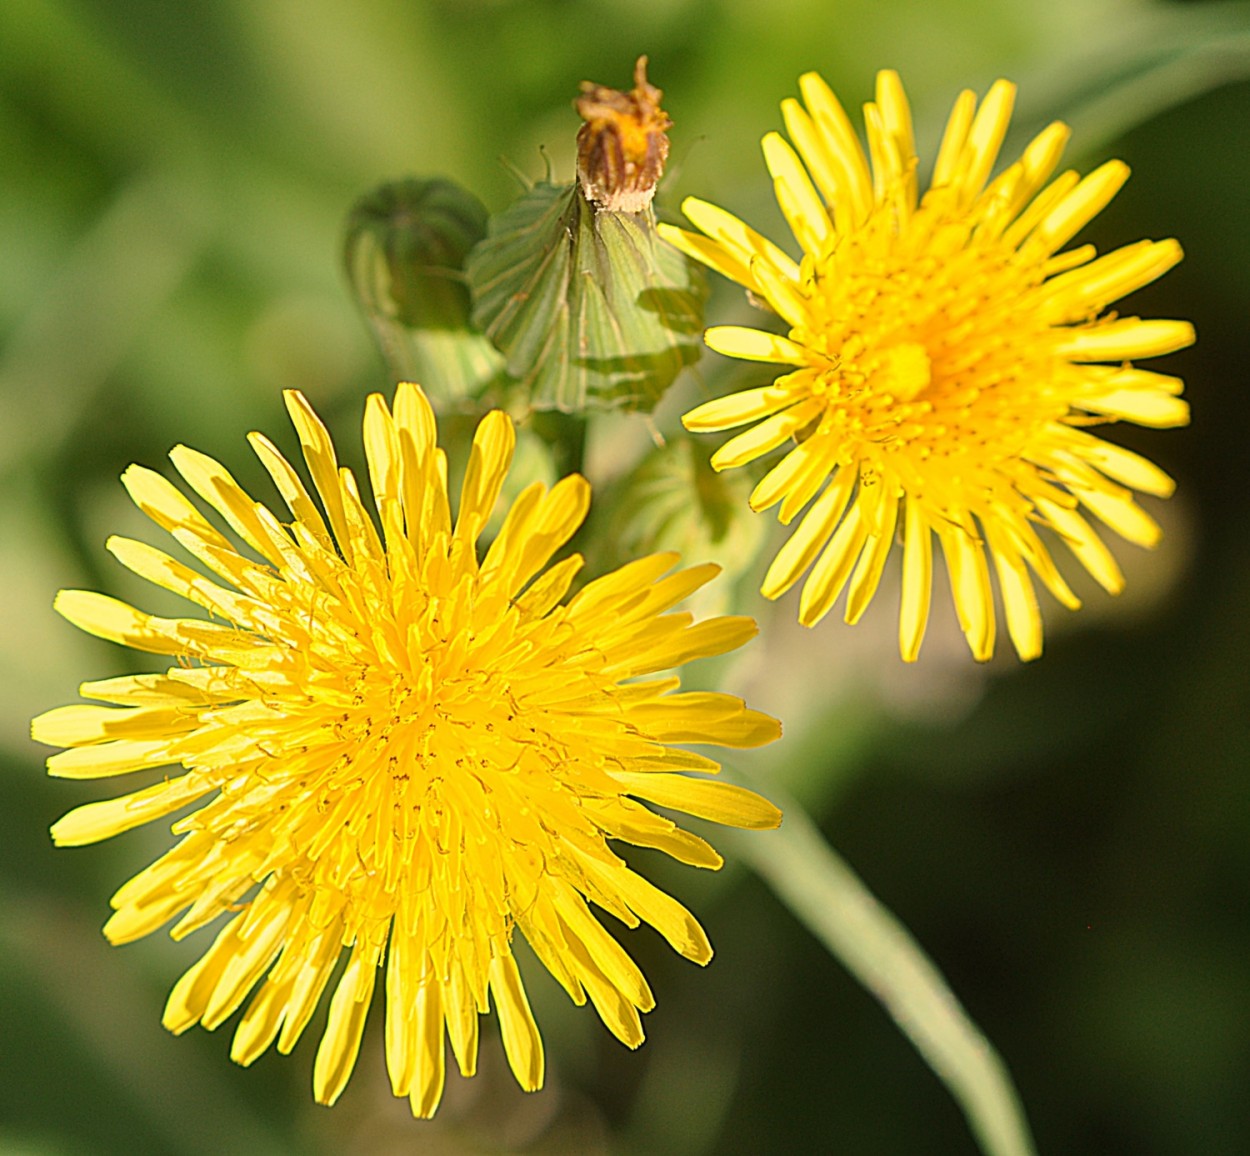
521,1041
336,1055
610,960
985,138
318,961
701,640
112,758
917,579
1121,465
430,1075
833,568
867,574
663,912
214,483
489,458
743,242
737,409
708,799
705,717
80,724
1126,338
1117,510
1138,395
1091,288
288,483
710,253
115,621
1080,206
954,140
838,140
798,200
1084,543
1024,619
385,462
462,1025
95,821
260,1023
320,458
970,585
254,953
167,506
764,438
896,131
755,345
798,475
802,547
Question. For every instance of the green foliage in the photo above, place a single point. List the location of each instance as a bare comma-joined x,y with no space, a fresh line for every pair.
674,500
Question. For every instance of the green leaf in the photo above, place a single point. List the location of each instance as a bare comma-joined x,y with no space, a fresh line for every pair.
589,308
674,500
1138,69
828,898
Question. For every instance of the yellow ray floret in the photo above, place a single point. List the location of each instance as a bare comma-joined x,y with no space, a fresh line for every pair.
400,749
945,354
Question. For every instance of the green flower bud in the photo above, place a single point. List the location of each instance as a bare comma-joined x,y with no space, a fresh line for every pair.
404,250
588,306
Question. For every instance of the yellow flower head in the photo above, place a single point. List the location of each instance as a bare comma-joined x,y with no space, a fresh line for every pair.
399,749
945,355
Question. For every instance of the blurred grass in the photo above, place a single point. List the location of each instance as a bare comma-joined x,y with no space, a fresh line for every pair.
1069,840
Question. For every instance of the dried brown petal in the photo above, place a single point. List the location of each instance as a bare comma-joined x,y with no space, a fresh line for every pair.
622,147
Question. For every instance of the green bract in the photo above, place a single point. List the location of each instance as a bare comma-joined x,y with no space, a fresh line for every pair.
588,307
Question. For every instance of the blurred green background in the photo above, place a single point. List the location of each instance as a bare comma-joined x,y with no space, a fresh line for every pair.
1070,840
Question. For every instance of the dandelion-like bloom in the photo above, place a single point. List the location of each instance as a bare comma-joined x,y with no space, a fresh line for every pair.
946,363
400,750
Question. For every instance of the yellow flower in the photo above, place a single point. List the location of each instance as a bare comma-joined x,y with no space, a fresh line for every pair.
401,750
945,358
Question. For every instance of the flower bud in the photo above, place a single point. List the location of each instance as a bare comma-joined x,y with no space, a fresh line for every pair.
572,283
405,248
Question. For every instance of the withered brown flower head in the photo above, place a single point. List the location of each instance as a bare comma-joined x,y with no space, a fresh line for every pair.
622,147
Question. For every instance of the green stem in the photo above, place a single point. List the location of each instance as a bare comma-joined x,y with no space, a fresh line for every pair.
824,894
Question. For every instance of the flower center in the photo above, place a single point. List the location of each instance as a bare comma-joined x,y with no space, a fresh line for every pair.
934,343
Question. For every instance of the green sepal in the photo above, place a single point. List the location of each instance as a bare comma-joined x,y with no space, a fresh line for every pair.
404,250
589,308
